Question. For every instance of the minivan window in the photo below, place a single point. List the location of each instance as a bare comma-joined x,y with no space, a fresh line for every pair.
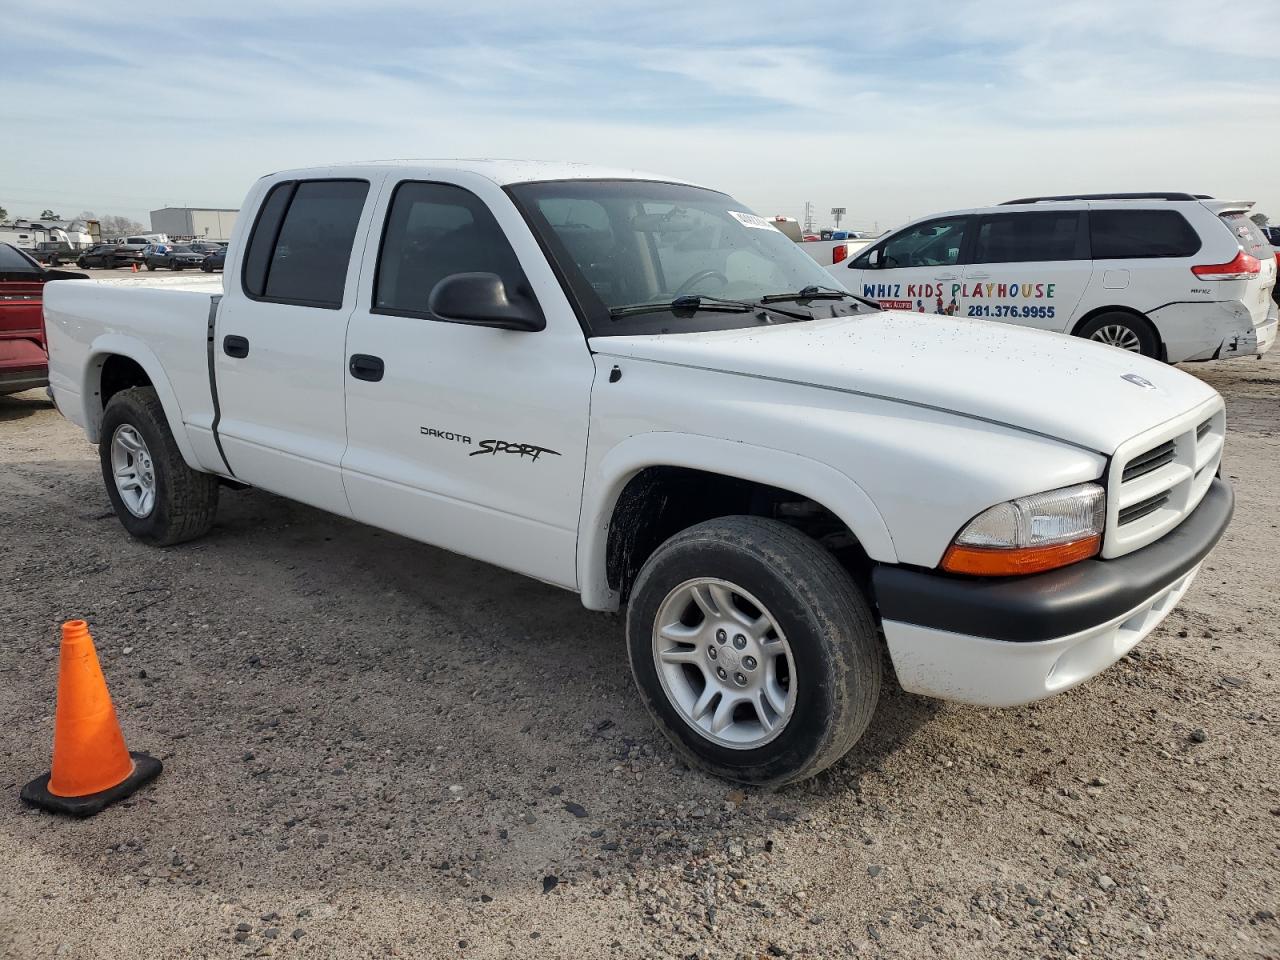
935,243
433,231
1029,237
301,242
1140,234
1247,233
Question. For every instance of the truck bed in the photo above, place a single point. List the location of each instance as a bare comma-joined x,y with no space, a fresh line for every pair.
164,323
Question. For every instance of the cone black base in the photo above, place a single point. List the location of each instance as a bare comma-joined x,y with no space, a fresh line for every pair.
145,769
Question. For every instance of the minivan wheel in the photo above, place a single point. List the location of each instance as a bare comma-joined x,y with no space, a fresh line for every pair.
156,496
753,649
1122,330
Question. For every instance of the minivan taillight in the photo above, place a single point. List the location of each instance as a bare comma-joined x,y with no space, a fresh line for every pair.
1241,268
839,252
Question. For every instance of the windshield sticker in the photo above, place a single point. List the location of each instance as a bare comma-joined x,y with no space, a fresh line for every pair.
750,220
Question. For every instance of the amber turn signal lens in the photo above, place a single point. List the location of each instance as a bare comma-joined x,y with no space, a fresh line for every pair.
1016,561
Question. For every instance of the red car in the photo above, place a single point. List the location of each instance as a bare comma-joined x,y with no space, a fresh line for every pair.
24,362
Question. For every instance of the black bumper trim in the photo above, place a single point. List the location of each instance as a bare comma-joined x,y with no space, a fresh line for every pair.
1060,602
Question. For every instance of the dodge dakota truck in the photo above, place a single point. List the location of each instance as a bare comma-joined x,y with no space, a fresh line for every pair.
637,389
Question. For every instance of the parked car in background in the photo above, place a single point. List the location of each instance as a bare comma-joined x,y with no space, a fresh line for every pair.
1273,237
102,255
24,364
173,256
205,247
829,248
1174,276
132,250
214,260
54,252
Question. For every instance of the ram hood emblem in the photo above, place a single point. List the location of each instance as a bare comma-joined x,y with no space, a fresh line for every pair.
1138,381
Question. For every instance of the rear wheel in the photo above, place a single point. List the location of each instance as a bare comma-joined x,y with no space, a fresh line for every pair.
1123,330
158,498
753,649
150,265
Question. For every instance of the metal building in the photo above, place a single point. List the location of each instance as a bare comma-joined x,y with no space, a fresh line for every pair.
194,223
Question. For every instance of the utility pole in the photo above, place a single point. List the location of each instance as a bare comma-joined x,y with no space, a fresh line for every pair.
837,213
808,216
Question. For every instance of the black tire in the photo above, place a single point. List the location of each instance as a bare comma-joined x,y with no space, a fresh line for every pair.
824,616
186,500
150,265
1139,327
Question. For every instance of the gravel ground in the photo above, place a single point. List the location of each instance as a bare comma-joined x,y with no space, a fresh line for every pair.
374,748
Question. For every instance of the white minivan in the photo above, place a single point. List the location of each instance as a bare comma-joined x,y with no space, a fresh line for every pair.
1170,275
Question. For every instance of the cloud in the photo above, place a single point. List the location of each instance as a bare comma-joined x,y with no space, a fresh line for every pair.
891,110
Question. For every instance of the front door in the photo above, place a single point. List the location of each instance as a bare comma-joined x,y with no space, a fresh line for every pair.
916,269
281,331
467,437
1028,268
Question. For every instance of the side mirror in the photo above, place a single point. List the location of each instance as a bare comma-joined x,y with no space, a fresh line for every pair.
481,299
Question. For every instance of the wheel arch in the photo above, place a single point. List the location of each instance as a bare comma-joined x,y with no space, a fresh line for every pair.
1131,311
117,362
628,508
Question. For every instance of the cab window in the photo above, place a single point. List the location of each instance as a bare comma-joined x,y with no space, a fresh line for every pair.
434,230
301,243
935,243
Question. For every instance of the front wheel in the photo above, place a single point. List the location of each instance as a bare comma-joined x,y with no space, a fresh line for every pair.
1123,330
150,265
158,498
754,650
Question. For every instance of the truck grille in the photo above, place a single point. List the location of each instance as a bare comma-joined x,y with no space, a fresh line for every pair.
1143,507
1147,462
1157,479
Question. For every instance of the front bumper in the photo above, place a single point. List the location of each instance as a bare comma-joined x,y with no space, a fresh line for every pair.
1004,642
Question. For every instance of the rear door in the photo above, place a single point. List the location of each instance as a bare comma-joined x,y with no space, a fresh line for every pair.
917,269
279,347
1028,267
467,437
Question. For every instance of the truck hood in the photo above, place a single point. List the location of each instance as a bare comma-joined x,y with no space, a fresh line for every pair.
1045,383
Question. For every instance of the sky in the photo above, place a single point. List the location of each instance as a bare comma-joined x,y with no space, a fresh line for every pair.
891,110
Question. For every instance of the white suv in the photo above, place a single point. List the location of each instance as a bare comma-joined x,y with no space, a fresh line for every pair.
1170,275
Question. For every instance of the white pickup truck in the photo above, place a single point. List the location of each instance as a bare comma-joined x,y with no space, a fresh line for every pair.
639,390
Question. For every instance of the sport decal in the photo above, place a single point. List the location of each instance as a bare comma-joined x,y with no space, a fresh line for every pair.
495,447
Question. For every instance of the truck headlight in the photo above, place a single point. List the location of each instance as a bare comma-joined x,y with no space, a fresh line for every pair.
1031,534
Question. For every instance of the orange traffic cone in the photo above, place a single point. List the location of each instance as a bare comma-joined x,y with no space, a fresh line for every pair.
135,266
91,765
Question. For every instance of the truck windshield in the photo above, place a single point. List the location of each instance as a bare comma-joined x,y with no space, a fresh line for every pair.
623,244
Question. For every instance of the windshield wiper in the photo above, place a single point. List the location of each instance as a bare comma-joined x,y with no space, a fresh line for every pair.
815,292
702,302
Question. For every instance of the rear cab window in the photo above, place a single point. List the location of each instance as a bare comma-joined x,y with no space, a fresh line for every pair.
301,243
1141,234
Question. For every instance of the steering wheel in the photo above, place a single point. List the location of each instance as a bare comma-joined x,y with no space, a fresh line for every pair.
698,277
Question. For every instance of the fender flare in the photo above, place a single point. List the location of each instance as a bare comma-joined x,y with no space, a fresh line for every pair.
119,344
789,471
